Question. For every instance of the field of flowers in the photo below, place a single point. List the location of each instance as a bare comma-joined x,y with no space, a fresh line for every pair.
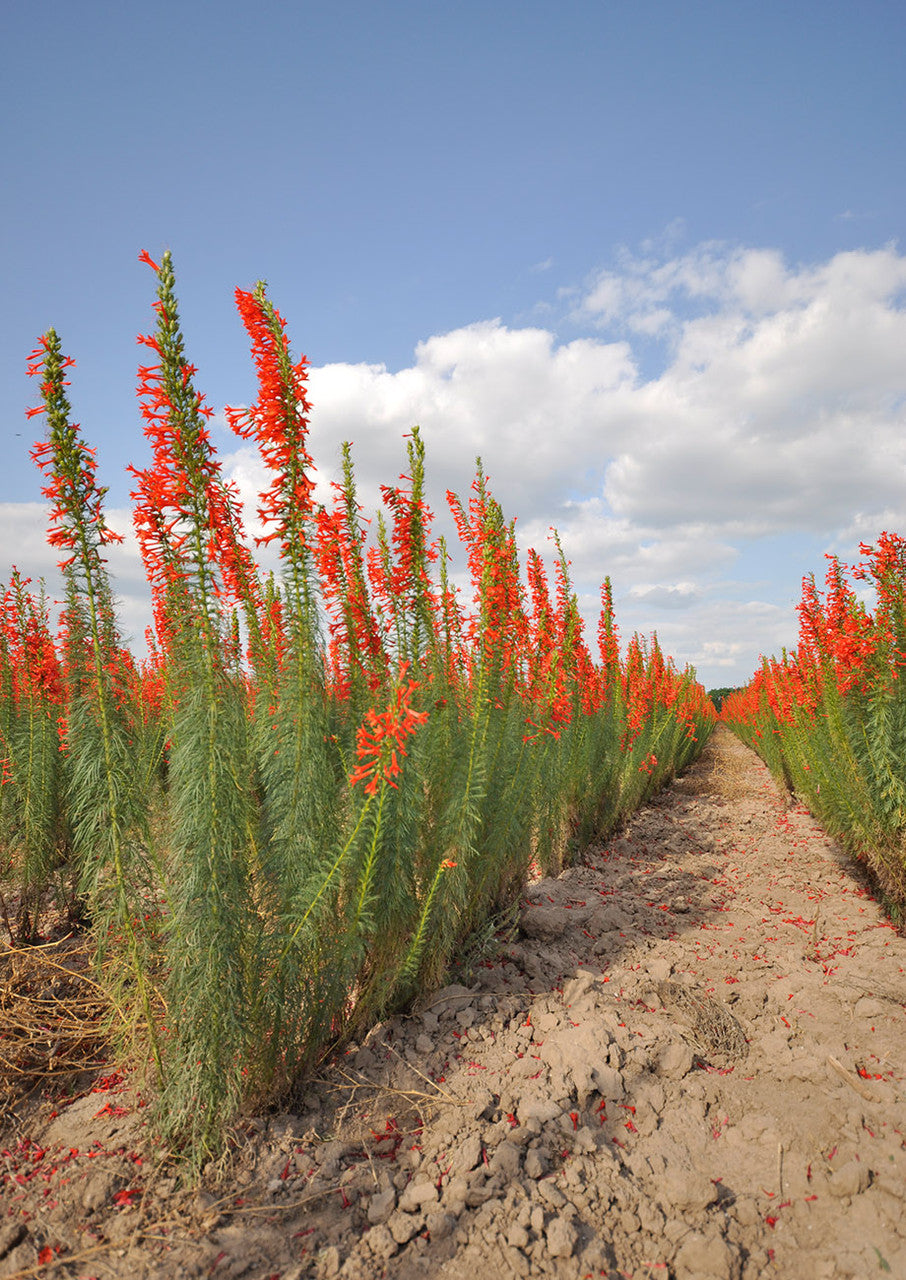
292,815
829,719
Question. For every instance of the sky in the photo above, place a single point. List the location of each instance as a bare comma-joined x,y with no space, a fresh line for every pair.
644,259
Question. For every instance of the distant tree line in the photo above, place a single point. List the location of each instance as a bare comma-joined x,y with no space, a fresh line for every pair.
717,696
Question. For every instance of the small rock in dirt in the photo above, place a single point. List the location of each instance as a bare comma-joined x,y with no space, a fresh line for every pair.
482,1100
581,985
381,1206
98,1190
551,1194
417,1195
658,968
687,1191
424,1044
329,1262
439,1224
703,1258
536,1163
506,1160
468,1155
609,1083
403,1226
675,1061
381,1243
517,1236
850,1180
562,1238
540,1109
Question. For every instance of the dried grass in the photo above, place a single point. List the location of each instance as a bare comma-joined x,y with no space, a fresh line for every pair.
54,1017
712,1027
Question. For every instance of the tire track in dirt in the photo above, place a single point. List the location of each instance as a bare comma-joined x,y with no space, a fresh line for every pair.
689,1063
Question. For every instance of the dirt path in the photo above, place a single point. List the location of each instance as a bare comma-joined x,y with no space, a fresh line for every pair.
690,1064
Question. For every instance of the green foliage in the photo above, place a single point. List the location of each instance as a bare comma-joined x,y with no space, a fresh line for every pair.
830,719
717,696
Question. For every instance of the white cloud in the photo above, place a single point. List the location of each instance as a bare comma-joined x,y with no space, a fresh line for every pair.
23,527
779,408
678,595
530,408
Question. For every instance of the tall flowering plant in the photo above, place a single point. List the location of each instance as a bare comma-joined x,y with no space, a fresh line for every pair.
189,528
187,516
350,765
292,735
829,718
33,832
278,423
358,662
105,803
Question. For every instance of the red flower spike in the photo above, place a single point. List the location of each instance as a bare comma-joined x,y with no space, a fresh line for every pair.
278,422
187,517
382,736
77,522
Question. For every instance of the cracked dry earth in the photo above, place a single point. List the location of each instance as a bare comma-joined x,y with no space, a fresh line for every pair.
689,1064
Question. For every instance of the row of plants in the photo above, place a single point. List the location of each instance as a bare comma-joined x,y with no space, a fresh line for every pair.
288,818
829,718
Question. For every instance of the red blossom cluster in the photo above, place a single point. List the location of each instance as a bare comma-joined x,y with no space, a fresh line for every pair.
278,423
380,740
28,654
843,643
76,521
186,516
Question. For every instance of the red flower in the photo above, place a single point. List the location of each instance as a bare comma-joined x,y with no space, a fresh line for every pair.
77,521
187,517
278,421
380,740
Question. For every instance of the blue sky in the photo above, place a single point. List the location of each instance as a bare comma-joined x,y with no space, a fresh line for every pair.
643,257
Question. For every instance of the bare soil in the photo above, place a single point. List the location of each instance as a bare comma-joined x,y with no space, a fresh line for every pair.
688,1063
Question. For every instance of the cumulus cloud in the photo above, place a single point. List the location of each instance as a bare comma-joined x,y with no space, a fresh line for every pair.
528,406
678,595
777,407
23,526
